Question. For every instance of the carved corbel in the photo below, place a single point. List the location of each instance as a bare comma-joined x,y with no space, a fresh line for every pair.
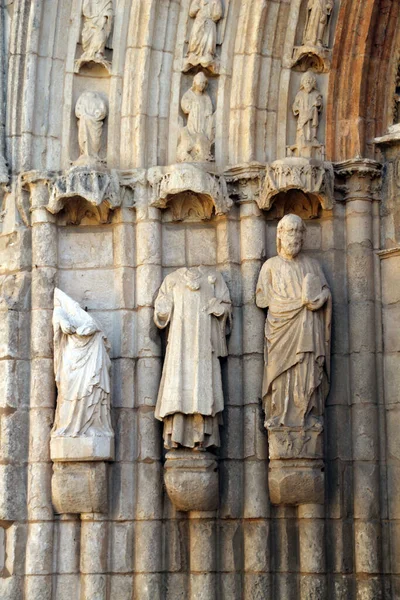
192,193
312,180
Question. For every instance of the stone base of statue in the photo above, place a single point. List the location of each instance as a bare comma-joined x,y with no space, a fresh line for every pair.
78,488
316,58
191,480
82,448
296,468
294,482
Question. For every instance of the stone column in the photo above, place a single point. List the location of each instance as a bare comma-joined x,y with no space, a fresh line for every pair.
94,553
39,555
256,509
149,485
360,176
202,548
311,525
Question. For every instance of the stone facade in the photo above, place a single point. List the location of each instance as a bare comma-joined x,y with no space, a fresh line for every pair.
151,141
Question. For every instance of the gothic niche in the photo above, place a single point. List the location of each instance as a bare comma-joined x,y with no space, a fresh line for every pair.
87,190
314,53
97,23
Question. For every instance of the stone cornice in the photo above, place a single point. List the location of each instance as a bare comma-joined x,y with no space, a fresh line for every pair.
389,253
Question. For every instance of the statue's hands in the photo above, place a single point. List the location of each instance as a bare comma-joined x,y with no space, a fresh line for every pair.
319,301
215,307
67,327
86,330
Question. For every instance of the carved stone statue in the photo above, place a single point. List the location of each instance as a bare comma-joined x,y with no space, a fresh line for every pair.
90,110
195,303
306,107
316,29
197,137
293,288
82,428
203,37
98,17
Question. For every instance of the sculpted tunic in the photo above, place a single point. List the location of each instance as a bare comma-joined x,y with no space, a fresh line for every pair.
203,38
297,342
97,26
82,371
196,304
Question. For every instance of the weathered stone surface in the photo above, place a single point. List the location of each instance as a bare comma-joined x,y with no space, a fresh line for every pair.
79,487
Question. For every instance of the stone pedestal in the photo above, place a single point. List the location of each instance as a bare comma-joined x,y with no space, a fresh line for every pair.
296,482
79,487
296,468
70,449
191,479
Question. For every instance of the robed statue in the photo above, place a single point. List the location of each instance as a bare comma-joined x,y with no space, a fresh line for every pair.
307,107
203,37
97,23
90,110
316,29
196,305
197,137
293,288
82,371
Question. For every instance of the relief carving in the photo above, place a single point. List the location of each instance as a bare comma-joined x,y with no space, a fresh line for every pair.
197,137
297,362
90,110
82,429
98,18
313,53
307,107
203,37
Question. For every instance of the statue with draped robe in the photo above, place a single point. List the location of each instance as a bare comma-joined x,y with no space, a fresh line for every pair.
293,288
316,29
195,304
203,37
82,371
197,137
97,24
306,107
90,110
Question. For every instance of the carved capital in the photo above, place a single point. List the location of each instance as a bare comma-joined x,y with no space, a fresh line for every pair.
358,179
245,180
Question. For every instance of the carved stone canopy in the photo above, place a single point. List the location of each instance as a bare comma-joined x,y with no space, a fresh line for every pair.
194,191
99,191
316,58
314,178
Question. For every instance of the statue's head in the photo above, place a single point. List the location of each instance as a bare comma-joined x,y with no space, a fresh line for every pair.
200,82
308,82
290,236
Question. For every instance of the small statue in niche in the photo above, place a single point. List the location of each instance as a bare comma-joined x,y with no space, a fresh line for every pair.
98,17
318,16
294,289
307,107
90,110
195,302
203,37
197,137
82,371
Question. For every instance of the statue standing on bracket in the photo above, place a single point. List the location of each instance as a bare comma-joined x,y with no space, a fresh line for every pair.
294,289
316,29
90,110
307,107
98,17
196,305
197,137
82,371
203,37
